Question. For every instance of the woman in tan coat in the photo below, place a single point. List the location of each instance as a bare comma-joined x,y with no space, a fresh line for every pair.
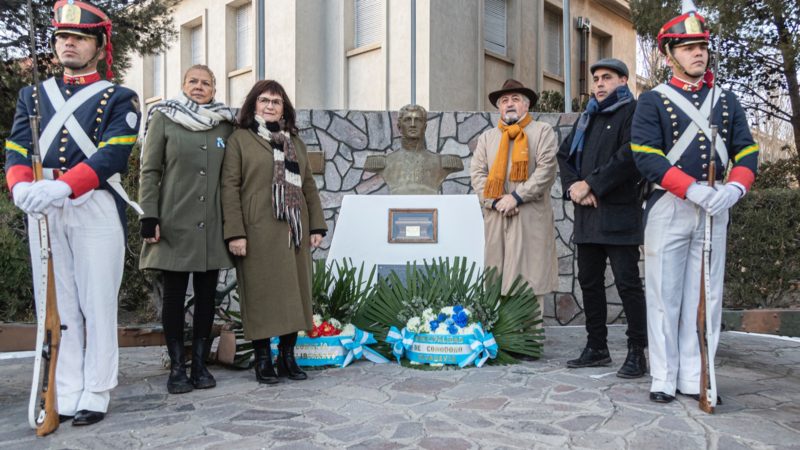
272,218
182,223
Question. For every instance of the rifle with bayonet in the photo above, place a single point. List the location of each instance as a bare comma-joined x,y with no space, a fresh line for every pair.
708,382
48,326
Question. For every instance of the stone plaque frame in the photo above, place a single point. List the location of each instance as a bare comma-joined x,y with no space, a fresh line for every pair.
413,226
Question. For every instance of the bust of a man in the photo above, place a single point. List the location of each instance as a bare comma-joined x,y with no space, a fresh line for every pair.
413,170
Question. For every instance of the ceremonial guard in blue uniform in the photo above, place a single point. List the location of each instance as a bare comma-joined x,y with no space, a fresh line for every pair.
671,142
88,127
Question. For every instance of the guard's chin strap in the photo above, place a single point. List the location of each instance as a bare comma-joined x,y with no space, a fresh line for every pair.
679,66
94,59
672,58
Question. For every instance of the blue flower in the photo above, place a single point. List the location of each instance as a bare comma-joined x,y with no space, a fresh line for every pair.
442,317
452,329
450,321
457,309
461,319
434,325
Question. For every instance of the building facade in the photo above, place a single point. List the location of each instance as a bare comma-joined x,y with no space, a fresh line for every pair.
356,54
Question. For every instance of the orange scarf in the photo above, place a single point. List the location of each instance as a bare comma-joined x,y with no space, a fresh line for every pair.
519,157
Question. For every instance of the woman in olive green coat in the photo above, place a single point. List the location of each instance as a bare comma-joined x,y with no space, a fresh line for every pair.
273,217
182,225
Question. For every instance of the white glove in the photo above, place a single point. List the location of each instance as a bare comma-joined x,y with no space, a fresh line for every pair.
20,193
701,195
43,193
726,196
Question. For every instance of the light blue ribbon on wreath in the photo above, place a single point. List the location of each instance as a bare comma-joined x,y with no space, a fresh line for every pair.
356,347
400,341
483,347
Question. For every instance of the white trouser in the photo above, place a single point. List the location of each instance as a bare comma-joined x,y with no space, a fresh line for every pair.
88,249
673,245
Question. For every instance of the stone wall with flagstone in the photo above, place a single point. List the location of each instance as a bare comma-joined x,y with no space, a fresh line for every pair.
346,138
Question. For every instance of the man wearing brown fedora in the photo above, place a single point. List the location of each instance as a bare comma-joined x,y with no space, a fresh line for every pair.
513,168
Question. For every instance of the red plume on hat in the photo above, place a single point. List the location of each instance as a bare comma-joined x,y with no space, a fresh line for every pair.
85,19
688,28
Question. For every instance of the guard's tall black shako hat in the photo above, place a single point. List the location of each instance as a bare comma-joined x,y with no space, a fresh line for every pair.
688,28
84,19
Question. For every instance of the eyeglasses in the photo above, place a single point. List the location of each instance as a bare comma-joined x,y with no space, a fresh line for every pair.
267,101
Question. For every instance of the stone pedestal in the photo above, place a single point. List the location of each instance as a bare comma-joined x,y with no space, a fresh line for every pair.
362,230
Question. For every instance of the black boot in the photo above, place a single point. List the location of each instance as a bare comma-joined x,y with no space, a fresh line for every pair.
178,382
287,365
590,358
635,365
201,377
265,372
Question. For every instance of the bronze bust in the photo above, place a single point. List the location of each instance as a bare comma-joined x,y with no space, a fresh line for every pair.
413,170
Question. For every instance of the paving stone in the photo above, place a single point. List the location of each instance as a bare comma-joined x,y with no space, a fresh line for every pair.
291,434
320,119
408,430
326,417
258,415
240,430
422,385
376,444
483,404
537,404
436,443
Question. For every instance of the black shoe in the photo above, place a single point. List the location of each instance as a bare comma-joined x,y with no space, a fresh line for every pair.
635,365
660,397
590,358
696,397
201,378
287,365
62,418
178,382
86,417
265,371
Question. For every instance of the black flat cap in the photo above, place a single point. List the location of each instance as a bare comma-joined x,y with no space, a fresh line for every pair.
611,64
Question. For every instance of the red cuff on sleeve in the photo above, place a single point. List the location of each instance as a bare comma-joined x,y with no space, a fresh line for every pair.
742,174
81,178
18,173
677,182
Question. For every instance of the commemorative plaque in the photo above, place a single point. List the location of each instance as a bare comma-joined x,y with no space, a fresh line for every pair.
413,226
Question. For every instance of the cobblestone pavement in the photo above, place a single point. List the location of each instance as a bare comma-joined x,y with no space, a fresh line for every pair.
538,404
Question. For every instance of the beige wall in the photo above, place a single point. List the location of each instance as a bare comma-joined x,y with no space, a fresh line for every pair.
309,49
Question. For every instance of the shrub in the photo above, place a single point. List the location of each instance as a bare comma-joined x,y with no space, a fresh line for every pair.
763,261
16,287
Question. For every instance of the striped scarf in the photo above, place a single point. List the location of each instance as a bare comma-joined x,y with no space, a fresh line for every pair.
192,115
287,184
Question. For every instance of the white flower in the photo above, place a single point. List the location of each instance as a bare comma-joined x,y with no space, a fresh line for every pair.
428,315
436,364
425,328
349,330
301,333
414,363
467,330
441,329
317,320
336,324
467,312
413,324
447,310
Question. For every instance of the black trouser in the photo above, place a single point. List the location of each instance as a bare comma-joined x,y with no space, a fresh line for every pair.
591,275
287,341
172,315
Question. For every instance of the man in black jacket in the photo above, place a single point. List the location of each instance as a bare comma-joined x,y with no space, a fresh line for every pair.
599,176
